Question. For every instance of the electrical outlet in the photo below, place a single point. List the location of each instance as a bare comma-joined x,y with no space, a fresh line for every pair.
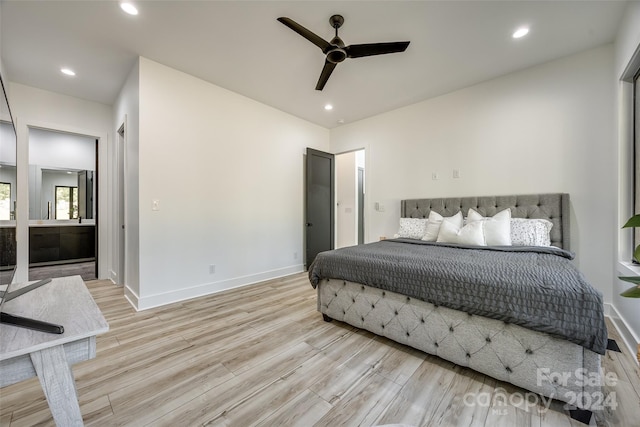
212,268
456,173
155,205
434,176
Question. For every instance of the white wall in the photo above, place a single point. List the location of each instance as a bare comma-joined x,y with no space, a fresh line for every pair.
628,37
61,150
626,311
548,128
346,209
36,108
238,201
7,149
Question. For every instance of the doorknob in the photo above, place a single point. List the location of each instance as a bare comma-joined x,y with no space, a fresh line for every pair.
309,224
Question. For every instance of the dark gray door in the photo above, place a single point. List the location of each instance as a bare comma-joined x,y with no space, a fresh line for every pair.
320,199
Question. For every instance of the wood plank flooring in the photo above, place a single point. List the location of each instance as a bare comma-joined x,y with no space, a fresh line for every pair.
262,356
86,269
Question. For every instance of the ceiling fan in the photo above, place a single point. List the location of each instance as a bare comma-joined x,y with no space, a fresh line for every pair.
336,51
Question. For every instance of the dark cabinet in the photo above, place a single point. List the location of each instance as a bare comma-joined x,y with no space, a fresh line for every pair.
44,244
77,242
61,244
7,246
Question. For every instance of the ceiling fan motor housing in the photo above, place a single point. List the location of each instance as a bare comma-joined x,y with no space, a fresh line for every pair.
336,55
336,52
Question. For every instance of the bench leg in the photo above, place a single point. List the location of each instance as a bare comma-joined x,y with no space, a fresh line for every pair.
59,387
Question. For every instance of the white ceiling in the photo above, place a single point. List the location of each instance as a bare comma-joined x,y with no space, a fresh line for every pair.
240,46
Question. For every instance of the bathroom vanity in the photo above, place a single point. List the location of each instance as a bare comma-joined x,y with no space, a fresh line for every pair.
62,242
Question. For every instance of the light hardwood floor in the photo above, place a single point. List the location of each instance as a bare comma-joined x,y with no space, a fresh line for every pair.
262,356
87,270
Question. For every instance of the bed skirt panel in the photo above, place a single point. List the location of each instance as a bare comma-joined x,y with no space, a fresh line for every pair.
535,361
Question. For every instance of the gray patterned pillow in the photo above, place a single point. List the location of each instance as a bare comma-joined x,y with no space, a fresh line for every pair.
530,232
411,228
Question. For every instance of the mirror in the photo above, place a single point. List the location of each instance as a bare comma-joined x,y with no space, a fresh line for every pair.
61,194
7,161
61,176
8,141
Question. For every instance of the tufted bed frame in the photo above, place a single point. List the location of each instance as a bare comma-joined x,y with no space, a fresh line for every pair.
508,352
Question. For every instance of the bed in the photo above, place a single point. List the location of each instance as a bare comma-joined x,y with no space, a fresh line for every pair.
379,287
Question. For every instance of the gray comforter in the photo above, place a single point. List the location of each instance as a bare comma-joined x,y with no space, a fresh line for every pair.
537,288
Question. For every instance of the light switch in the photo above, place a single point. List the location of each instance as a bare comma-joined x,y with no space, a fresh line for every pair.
156,205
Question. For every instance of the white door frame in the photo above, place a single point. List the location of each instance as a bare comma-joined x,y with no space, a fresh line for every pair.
121,200
23,124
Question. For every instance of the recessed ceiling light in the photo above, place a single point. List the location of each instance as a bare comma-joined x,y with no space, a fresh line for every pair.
328,107
67,71
520,32
129,8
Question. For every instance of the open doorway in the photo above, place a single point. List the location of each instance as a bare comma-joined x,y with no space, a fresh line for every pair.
63,200
350,193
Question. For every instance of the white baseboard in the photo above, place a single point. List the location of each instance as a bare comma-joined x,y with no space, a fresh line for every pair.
607,309
629,338
113,276
147,302
132,297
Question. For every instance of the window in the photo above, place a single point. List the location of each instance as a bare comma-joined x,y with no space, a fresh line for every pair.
66,202
5,200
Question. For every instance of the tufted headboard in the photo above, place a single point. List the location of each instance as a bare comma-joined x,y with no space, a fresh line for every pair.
554,207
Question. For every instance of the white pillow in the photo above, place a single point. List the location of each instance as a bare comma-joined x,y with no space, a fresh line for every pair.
497,229
470,234
434,222
411,228
530,232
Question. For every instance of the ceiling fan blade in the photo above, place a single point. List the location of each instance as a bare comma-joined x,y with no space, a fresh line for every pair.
326,72
360,50
312,37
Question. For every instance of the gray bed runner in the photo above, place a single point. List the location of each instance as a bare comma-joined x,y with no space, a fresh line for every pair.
537,288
